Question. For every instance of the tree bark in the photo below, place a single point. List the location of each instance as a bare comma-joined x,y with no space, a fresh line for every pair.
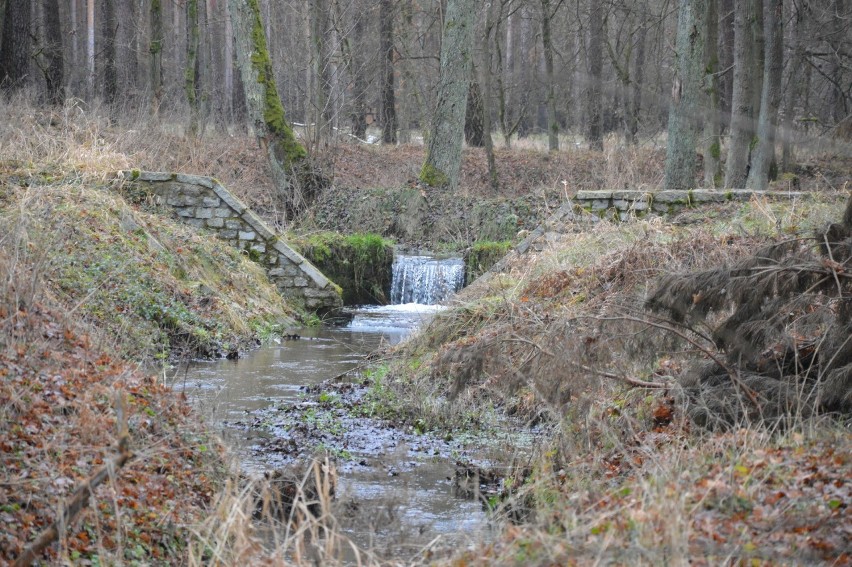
191,73
90,49
686,96
742,110
53,54
712,142
763,163
16,46
635,109
388,97
547,46
443,155
263,104
791,93
156,51
474,127
485,73
110,29
595,56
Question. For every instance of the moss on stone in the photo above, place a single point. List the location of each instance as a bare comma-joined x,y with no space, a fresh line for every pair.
483,255
360,263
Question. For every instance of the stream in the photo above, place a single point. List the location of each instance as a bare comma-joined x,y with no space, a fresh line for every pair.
401,484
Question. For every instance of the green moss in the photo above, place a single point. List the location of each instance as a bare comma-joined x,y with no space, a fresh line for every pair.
360,263
134,174
716,150
285,145
483,255
432,176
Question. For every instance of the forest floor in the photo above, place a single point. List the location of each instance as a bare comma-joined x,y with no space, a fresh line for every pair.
94,294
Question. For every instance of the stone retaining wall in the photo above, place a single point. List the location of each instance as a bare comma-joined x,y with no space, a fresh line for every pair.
638,203
204,203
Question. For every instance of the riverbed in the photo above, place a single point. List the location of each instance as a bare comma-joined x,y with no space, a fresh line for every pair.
275,407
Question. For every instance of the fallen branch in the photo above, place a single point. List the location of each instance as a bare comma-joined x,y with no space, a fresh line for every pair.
82,494
625,379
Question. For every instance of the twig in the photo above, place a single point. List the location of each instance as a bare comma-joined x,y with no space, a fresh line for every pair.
81,496
626,379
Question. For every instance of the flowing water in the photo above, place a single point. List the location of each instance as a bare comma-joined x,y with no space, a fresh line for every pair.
401,481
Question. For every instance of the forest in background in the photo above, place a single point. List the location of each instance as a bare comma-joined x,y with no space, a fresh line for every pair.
573,70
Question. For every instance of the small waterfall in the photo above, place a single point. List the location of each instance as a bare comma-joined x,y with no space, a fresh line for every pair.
425,280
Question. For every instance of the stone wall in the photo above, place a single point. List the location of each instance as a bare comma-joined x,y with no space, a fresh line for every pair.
625,203
204,203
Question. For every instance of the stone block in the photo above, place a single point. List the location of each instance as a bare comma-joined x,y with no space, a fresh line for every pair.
194,180
310,271
300,282
233,224
259,247
676,197
257,224
190,190
244,235
202,213
593,195
211,201
189,200
276,272
621,204
224,212
288,253
234,203
186,212
284,283
197,223
215,222
641,205
154,176
600,205
227,234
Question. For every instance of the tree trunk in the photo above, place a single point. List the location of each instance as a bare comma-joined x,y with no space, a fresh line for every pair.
264,107
443,155
636,84
229,67
156,50
791,93
595,54
90,49
354,58
16,46
485,71
53,54
547,46
110,29
763,166
388,98
726,59
191,78
686,96
473,121
742,111
712,142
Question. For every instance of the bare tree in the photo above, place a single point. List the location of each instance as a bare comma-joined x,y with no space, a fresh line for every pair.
686,95
547,11
156,50
763,160
265,110
53,67
15,49
595,66
388,97
742,104
443,154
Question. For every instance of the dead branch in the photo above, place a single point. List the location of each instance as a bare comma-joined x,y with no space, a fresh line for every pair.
84,491
625,379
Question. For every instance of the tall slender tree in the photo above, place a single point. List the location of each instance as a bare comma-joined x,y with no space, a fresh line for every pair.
156,50
386,49
547,12
54,61
763,161
686,95
191,74
444,152
595,66
266,113
742,104
16,45
712,142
